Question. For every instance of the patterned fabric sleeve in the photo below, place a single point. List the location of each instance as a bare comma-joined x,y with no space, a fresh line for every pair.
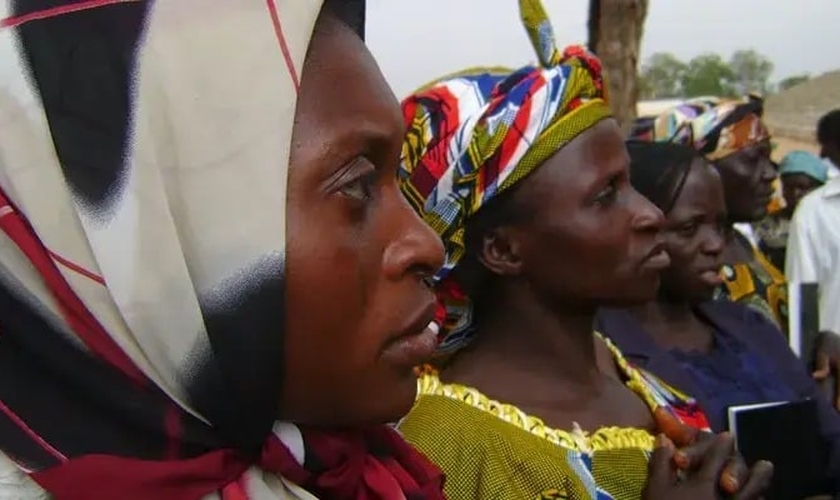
662,398
759,285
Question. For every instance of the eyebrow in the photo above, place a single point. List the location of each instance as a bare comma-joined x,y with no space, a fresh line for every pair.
366,136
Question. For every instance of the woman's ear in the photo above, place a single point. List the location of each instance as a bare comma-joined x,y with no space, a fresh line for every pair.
500,251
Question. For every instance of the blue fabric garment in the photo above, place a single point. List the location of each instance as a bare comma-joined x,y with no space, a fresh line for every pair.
732,375
745,335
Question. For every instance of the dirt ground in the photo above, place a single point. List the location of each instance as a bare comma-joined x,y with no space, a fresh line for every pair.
785,145
792,115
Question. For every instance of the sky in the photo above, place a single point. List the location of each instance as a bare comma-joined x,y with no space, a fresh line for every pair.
418,40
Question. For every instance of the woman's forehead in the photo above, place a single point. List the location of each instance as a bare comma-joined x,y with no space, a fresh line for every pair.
342,84
702,188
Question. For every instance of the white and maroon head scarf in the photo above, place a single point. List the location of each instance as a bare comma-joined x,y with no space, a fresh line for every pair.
143,159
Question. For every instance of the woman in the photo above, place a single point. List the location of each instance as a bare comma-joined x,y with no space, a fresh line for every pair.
726,353
525,179
159,337
801,172
733,137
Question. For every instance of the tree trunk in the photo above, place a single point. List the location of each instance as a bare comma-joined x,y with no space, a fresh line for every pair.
615,35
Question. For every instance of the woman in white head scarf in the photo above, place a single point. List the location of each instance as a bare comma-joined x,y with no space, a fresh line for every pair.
201,242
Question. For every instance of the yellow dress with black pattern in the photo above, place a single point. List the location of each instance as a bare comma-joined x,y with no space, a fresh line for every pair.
759,285
492,450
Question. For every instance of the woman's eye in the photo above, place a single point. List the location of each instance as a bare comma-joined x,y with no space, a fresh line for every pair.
360,188
688,229
358,179
608,195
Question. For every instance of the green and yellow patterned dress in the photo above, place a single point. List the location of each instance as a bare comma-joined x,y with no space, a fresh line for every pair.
491,450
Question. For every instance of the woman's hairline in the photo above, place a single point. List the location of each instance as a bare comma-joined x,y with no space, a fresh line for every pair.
675,183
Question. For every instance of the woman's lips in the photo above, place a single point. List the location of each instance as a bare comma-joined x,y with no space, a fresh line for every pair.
711,277
414,349
657,259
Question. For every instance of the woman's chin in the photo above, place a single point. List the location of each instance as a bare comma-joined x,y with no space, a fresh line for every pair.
384,401
399,402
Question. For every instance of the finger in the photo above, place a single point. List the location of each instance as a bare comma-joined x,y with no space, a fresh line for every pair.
680,434
723,447
735,474
758,483
690,457
822,367
661,473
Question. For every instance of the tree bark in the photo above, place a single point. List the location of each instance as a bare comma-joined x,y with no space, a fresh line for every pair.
615,35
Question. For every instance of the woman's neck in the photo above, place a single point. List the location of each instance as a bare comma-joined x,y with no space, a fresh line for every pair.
674,325
523,342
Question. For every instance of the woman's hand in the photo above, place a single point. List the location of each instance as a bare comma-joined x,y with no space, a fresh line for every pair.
827,363
692,444
704,470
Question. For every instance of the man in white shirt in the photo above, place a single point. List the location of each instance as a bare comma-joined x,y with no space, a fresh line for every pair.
813,254
814,239
833,170
828,135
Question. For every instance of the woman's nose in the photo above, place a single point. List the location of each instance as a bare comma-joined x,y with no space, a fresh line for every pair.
646,215
715,242
416,248
768,170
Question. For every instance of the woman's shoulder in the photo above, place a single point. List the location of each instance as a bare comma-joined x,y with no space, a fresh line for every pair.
455,415
748,327
740,320
490,449
474,410
481,455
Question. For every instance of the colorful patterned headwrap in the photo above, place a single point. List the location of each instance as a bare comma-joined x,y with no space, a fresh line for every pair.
473,136
675,124
715,128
